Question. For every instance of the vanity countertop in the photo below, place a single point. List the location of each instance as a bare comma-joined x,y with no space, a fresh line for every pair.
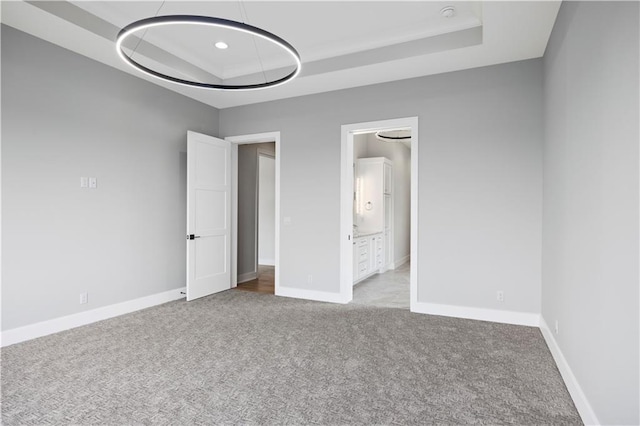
365,234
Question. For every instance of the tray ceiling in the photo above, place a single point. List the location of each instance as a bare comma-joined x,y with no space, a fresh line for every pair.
341,44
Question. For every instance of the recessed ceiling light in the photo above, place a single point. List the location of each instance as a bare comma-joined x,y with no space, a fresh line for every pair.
448,11
221,45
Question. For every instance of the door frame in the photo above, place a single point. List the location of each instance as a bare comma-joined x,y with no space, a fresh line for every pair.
346,202
243,140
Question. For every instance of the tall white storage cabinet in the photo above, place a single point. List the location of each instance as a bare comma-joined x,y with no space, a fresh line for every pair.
388,213
373,216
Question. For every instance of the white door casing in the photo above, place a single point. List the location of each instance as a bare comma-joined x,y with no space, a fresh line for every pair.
346,205
208,215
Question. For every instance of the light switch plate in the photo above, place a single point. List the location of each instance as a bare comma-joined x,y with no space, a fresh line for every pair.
84,182
93,182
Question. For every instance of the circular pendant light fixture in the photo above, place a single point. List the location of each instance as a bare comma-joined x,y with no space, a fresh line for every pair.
393,135
157,21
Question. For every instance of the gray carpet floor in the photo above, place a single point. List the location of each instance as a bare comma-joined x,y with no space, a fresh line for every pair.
246,358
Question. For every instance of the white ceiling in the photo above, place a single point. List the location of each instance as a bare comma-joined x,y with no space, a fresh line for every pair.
341,44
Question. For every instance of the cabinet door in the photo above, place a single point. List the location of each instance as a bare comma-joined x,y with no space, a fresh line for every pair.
361,256
388,256
388,178
363,269
387,212
355,262
379,253
369,205
372,255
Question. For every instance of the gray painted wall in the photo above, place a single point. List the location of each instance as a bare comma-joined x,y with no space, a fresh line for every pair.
266,210
247,193
480,180
590,225
65,116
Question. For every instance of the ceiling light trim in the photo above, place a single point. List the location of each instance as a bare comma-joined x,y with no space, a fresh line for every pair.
207,21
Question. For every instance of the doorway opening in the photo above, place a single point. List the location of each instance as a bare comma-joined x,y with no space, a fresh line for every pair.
379,220
255,212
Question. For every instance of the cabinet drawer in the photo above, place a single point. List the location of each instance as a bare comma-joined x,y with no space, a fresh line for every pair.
362,243
363,255
362,268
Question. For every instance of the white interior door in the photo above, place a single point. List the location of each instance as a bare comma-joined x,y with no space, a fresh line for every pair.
208,215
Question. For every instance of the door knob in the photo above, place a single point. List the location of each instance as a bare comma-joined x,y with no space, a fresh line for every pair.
191,236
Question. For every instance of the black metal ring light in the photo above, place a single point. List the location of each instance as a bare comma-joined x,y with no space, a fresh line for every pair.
214,22
391,138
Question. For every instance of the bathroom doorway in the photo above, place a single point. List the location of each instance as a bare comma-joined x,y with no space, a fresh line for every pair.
379,198
381,218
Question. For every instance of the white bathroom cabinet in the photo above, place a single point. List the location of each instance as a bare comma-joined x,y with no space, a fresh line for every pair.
373,245
368,256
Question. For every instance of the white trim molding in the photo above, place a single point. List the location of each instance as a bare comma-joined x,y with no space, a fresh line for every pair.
400,262
573,386
44,328
319,296
481,314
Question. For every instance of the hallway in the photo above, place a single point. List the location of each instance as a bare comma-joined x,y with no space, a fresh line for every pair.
265,283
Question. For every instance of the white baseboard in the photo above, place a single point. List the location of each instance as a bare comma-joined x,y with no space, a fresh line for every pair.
320,296
56,325
579,399
400,262
247,276
493,315
267,262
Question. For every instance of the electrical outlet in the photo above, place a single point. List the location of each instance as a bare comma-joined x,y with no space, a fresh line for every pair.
500,296
555,327
84,298
310,279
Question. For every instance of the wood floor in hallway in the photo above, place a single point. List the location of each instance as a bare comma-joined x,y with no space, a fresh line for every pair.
265,283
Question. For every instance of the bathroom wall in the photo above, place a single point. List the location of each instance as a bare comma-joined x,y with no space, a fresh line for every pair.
367,145
400,155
